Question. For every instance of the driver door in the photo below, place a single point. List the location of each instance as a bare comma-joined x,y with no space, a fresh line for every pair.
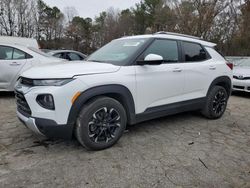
163,84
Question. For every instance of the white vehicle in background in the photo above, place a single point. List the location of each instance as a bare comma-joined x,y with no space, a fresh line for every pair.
29,42
241,75
14,59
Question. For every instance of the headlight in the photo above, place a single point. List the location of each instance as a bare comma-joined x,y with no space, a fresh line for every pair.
57,82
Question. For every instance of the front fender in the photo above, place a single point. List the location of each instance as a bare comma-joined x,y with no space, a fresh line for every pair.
121,93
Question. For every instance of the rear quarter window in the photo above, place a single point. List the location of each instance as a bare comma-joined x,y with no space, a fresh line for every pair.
193,52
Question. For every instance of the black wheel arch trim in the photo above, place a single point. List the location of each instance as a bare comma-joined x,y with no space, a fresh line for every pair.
118,92
224,81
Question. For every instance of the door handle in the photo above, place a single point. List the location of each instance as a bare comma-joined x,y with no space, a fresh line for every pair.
15,64
212,67
177,70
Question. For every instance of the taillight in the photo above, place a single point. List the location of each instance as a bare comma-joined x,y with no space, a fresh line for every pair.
230,65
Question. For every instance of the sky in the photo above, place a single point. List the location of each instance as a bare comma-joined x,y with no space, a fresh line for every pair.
91,8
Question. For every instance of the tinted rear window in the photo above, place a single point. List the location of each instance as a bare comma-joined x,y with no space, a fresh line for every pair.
193,52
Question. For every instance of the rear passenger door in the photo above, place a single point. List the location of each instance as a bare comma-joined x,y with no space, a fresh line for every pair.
12,61
199,70
163,84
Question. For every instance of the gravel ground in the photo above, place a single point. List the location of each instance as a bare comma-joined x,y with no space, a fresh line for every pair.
184,150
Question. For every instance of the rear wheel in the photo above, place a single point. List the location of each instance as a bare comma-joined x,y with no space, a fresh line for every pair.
216,103
101,123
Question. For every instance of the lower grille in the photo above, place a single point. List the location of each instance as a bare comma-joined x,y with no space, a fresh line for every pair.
22,105
239,87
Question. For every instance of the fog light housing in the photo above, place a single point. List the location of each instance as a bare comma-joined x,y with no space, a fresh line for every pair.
46,101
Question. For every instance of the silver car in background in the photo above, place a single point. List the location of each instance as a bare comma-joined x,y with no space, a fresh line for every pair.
15,59
241,74
69,55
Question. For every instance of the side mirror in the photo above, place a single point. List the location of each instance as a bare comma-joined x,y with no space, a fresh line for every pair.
151,59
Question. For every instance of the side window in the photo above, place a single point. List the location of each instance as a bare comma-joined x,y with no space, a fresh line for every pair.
193,52
74,56
6,53
18,54
59,55
168,49
28,56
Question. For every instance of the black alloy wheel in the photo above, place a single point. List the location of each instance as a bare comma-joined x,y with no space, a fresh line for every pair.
219,102
216,103
100,123
104,125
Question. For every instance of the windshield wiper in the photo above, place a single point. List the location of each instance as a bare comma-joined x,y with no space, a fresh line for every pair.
94,61
98,61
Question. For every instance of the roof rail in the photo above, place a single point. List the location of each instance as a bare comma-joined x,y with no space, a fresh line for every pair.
177,34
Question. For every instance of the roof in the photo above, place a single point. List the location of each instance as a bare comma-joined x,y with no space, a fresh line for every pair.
28,42
176,36
14,45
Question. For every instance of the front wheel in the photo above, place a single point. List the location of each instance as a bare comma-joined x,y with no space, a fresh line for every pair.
101,123
216,103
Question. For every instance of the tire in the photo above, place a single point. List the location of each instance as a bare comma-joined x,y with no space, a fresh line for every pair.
100,123
216,103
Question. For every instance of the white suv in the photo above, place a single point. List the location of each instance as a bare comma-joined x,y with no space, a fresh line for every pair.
129,80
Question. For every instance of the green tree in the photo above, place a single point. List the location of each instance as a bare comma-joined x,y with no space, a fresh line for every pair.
50,21
141,18
243,38
126,23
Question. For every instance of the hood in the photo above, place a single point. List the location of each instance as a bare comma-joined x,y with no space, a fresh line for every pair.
51,60
47,61
69,70
241,71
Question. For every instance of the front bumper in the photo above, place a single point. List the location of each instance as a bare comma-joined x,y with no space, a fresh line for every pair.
46,127
241,85
30,123
45,122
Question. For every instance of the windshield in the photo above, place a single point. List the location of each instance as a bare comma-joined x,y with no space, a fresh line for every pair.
243,63
240,62
117,52
39,52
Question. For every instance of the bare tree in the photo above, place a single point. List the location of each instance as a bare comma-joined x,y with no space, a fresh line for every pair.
70,13
7,17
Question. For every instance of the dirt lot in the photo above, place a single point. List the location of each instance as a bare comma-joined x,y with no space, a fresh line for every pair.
184,150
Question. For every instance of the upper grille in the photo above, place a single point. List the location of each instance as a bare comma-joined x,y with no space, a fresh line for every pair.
26,81
241,78
22,105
